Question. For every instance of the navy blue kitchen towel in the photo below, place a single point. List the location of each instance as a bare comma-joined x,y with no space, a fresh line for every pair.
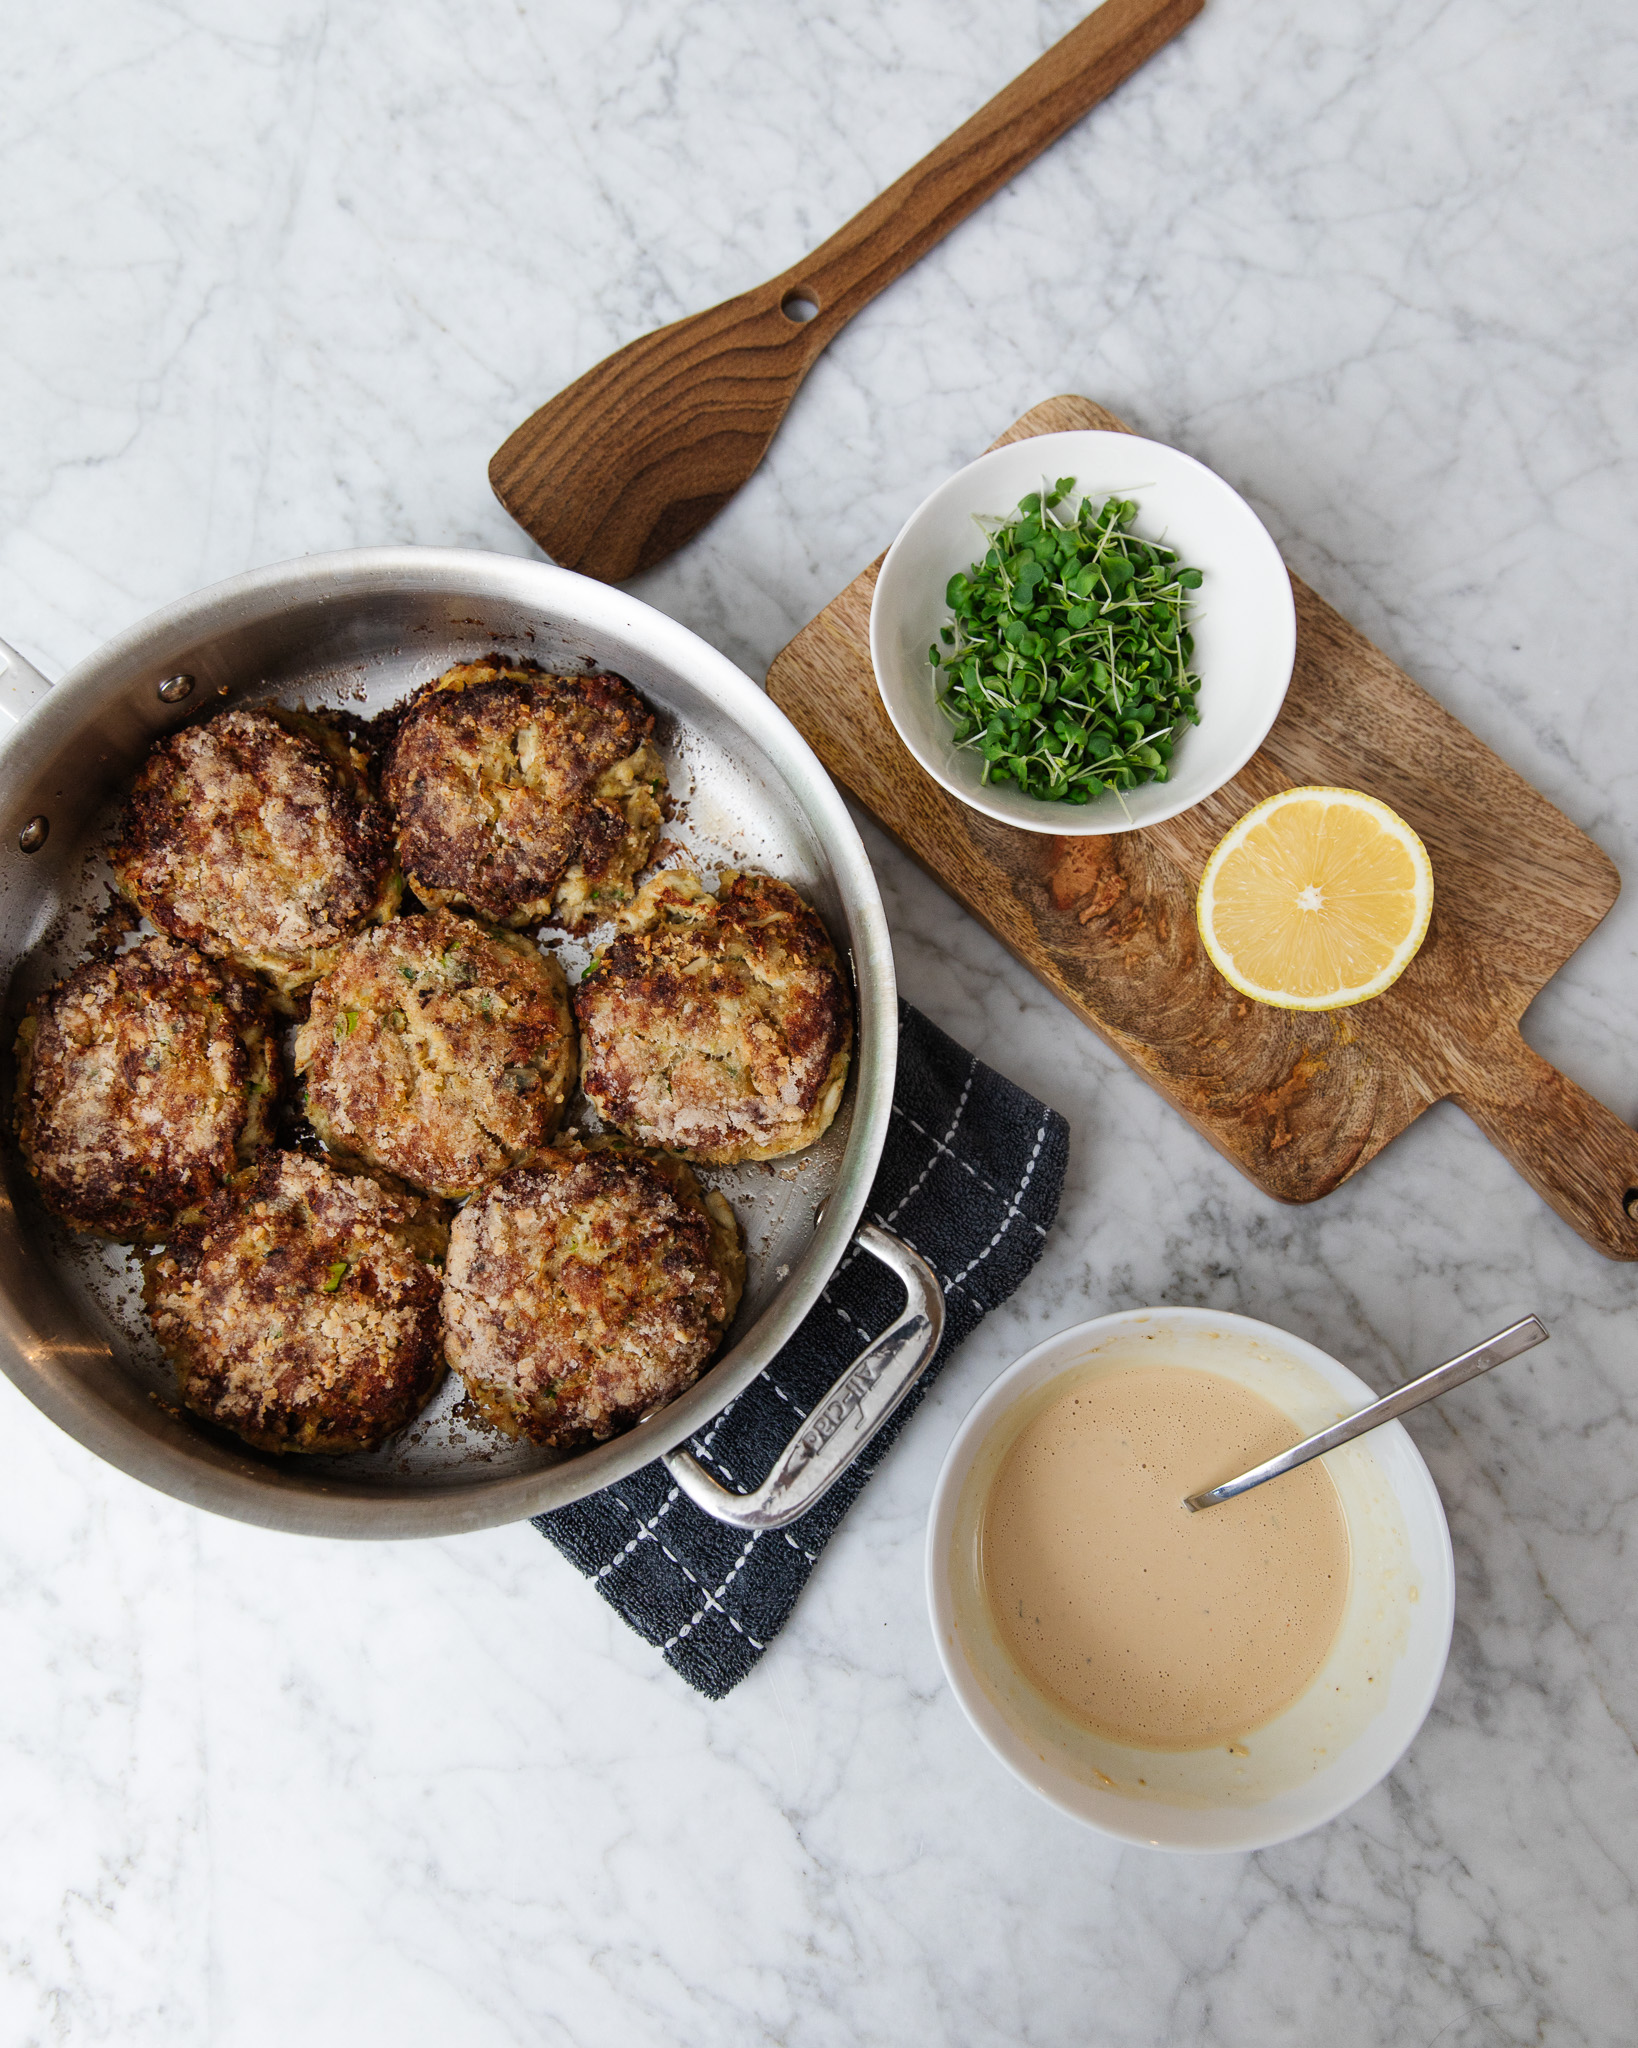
970,1176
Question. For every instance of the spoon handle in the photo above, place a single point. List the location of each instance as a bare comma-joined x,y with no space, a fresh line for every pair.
1508,1343
899,226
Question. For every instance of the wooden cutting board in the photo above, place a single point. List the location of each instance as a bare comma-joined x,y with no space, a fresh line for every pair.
1297,1102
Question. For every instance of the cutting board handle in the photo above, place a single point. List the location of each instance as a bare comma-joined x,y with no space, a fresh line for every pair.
1577,1155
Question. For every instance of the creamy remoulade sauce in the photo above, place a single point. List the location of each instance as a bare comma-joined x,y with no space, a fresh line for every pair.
1152,1626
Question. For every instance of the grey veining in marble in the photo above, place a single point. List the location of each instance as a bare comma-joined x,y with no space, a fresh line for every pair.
278,278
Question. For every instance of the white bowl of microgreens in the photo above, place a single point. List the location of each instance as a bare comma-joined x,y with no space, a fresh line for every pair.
1083,633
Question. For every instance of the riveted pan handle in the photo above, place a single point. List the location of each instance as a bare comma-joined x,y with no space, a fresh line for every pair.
850,1414
21,687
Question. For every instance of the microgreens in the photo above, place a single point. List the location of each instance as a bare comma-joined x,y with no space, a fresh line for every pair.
1066,659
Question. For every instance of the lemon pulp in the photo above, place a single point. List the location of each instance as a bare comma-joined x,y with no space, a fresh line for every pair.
1316,899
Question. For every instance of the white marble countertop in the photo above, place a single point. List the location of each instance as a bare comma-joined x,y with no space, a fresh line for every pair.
278,279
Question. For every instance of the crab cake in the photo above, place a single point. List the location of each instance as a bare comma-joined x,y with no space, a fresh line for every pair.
716,1026
438,1050
143,1082
256,838
587,1288
300,1311
527,797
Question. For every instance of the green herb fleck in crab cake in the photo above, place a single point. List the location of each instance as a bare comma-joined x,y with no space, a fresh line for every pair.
527,797
586,1288
143,1082
438,1050
717,1026
301,1310
257,838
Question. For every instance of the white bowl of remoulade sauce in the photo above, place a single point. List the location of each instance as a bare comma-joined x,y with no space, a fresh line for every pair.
1223,1680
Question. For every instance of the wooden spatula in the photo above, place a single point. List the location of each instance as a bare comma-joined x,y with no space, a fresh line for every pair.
635,456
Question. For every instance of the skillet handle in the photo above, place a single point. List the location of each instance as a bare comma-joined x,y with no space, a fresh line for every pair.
21,687
850,1414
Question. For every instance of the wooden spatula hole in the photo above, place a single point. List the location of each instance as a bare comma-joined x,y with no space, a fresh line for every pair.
799,306
1629,1202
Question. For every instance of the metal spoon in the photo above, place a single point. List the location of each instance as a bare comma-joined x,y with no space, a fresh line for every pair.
1508,1343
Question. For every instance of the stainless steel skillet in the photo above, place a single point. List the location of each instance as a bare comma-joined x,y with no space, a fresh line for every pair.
358,630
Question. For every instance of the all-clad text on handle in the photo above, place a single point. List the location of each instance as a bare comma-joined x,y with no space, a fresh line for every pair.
851,1413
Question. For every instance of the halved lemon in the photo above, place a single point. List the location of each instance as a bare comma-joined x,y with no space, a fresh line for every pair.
1316,899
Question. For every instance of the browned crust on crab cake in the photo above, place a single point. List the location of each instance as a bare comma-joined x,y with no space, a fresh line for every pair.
439,1050
257,838
527,797
587,1288
143,1081
300,1311
717,1026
